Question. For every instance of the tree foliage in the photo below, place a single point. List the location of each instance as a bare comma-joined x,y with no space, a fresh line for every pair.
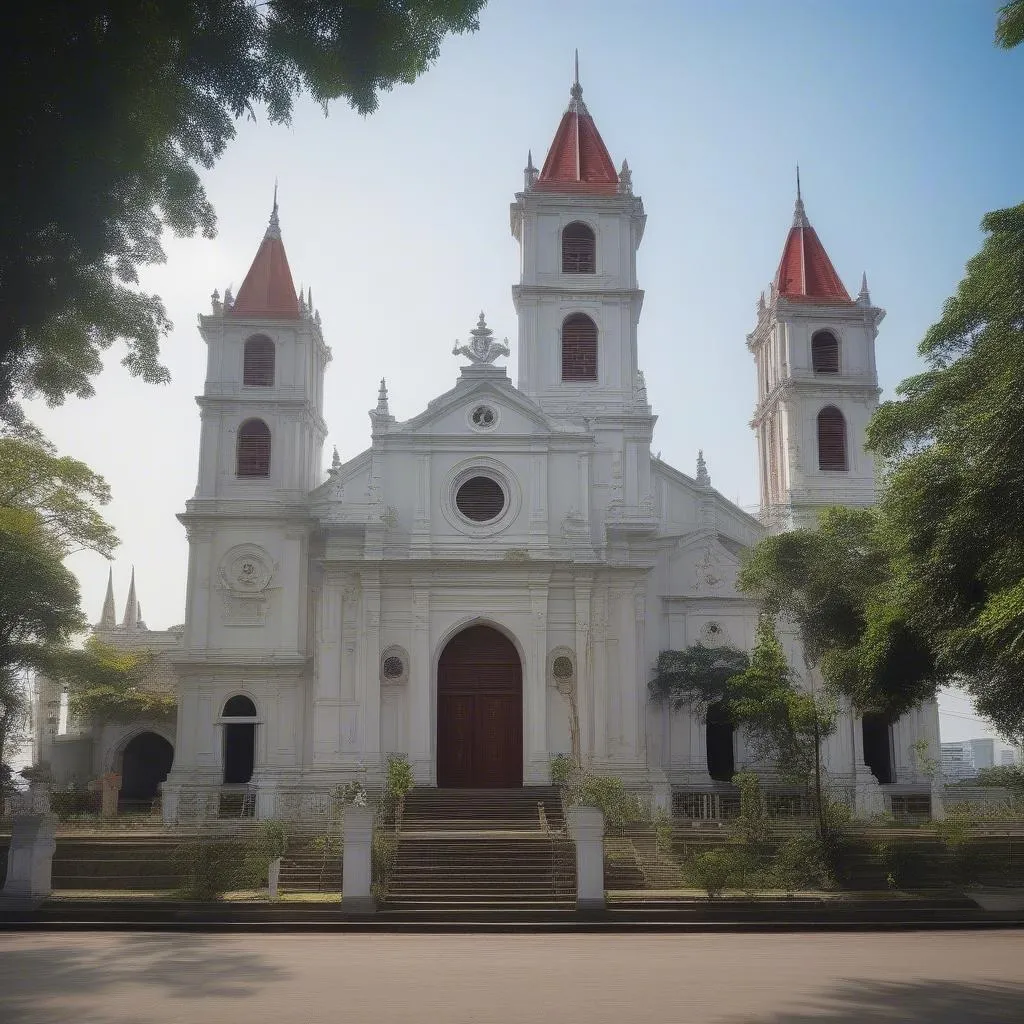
108,684
111,111
1010,25
953,501
835,584
696,677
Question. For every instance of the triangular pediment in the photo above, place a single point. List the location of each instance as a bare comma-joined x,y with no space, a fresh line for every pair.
503,410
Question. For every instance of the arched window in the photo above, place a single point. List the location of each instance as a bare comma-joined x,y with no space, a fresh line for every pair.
831,439
825,352
579,348
721,760
239,707
254,448
578,249
258,369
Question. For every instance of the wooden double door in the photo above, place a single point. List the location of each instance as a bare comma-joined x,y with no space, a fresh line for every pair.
480,711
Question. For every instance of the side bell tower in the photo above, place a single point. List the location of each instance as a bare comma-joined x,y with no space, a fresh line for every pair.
817,385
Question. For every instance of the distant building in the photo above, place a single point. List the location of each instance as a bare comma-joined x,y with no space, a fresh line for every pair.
957,760
983,752
1008,757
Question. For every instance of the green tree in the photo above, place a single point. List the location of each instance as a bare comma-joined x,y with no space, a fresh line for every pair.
1010,26
48,508
953,501
835,584
108,685
111,109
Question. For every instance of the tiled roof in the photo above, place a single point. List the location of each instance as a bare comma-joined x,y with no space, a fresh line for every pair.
578,160
268,289
805,272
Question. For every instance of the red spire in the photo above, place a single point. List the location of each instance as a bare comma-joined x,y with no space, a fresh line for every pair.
268,289
805,272
578,160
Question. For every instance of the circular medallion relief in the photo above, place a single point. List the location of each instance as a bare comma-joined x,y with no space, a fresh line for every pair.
483,417
713,634
247,569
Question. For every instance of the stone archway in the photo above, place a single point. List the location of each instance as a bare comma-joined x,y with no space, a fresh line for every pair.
479,711
145,762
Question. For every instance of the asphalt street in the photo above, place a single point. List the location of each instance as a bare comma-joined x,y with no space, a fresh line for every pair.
146,978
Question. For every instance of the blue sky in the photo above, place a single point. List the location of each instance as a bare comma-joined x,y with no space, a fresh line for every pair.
903,115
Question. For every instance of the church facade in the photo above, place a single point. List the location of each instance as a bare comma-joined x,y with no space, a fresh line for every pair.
490,582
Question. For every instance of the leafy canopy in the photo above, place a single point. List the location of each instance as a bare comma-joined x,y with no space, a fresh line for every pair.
108,685
112,110
953,502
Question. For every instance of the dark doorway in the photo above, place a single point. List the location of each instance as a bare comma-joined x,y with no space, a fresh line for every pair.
480,711
721,759
144,765
239,741
878,747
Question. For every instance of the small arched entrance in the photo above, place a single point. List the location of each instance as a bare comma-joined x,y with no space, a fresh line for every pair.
239,740
146,760
720,735
480,711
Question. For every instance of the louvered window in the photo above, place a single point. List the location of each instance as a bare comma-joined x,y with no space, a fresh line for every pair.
825,352
254,449
831,439
579,348
578,249
481,499
259,362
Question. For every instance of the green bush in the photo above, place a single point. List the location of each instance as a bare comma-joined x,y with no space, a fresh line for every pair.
273,841
802,862
210,868
397,783
71,803
714,870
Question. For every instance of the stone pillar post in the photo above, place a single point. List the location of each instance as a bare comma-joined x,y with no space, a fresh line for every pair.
586,826
33,844
357,833
110,789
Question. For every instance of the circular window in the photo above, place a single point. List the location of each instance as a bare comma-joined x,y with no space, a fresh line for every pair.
562,668
481,499
483,417
393,668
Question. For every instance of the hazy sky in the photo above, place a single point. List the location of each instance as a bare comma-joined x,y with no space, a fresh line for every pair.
904,117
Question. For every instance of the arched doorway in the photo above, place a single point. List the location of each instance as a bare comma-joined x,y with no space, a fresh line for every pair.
239,740
480,711
719,736
146,760
877,738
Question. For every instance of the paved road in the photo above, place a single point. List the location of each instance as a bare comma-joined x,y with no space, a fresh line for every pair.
914,978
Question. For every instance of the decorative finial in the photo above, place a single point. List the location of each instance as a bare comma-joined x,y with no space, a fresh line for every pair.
799,215
864,299
626,179
576,104
482,347
641,387
335,461
274,227
215,303
382,399
303,308
703,476
761,305
529,171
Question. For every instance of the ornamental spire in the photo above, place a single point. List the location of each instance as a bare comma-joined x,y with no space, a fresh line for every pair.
268,289
131,608
703,476
108,620
274,227
382,399
864,298
799,214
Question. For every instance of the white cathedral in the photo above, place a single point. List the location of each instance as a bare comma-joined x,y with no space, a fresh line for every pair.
440,593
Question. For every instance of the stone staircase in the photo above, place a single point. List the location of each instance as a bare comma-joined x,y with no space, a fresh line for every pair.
463,849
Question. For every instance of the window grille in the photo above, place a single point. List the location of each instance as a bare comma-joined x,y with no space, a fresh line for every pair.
831,439
258,367
578,249
579,348
254,449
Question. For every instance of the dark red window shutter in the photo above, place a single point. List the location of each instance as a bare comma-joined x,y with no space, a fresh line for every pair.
578,249
254,449
825,352
259,362
831,439
579,348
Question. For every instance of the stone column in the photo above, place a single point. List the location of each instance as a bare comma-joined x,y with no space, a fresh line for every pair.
30,854
584,672
357,860
535,771
586,826
110,789
369,670
420,705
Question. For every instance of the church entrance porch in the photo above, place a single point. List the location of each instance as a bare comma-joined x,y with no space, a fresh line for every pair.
479,711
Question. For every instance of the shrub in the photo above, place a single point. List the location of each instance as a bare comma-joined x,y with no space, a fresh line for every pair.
397,783
209,869
802,862
70,803
714,870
